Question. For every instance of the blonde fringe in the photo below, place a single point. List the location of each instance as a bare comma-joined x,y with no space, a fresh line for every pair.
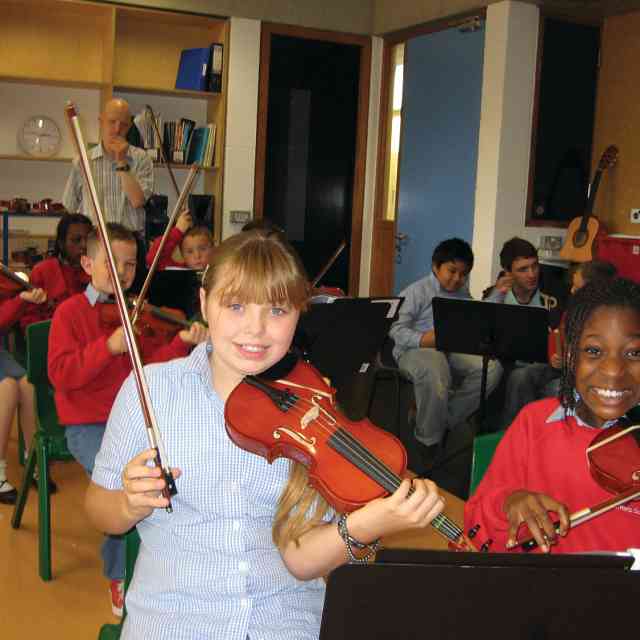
300,508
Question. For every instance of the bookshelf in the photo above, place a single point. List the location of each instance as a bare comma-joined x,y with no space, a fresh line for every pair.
55,50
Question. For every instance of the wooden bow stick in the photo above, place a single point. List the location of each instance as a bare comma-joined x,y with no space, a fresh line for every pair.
153,432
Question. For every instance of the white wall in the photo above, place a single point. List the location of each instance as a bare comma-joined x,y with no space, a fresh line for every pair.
36,180
242,117
508,87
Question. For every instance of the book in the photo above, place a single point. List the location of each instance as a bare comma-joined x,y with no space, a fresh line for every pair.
214,79
198,145
193,69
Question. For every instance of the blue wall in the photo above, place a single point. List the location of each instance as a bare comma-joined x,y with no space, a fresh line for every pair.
439,148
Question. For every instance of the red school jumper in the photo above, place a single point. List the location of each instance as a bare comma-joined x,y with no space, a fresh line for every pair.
85,375
542,451
173,241
60,281
10,311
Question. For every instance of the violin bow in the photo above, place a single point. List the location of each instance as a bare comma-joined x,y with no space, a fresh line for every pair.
182,196
153,432
329,264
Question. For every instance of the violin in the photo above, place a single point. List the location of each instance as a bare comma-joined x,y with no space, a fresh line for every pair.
349,462
11,283
152,322
614,463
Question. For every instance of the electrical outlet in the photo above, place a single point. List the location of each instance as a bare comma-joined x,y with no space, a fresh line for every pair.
634,216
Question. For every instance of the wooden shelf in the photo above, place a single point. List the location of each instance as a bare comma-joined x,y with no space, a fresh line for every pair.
184,167
61,82
109,48
178,93
33,159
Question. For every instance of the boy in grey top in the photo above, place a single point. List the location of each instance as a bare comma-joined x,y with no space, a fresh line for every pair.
447,385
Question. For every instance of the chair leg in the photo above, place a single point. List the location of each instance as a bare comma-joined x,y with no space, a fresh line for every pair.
26,484
44,513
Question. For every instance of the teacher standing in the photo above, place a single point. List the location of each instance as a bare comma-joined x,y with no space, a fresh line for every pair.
123,174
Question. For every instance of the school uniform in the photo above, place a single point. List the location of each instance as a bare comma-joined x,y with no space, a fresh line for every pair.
174,238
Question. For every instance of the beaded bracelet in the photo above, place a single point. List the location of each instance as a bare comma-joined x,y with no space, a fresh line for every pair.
351,542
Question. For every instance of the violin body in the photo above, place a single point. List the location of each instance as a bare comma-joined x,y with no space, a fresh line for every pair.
614,459
312,441
160,323
11,283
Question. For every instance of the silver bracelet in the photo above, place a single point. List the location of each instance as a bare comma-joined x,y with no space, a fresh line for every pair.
351,542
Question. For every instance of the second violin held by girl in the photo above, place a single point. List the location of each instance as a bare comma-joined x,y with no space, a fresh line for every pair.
568,468
245,548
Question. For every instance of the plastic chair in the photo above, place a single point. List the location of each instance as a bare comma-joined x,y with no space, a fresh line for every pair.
48,443
484,447
131,545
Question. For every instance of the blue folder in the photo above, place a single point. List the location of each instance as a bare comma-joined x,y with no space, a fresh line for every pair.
193,69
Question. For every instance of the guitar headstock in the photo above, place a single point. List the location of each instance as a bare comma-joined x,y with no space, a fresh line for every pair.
608,158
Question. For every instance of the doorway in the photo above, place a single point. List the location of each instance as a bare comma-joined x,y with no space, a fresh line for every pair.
311,138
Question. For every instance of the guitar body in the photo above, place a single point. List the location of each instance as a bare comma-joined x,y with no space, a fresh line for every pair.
581,246
580,243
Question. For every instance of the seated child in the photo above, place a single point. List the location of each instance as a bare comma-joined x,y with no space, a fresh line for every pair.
447,385
245,549
540,466
195,245
61,275
15,389
519,284
88,362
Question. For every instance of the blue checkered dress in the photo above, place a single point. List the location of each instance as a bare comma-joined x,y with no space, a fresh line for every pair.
209,569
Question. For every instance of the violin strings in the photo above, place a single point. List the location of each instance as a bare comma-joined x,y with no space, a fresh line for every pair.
377,468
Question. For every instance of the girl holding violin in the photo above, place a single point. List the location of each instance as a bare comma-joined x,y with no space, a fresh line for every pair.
242,553
60,275
543,470
15,390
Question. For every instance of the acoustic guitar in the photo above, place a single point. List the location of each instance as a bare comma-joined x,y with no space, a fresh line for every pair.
584,231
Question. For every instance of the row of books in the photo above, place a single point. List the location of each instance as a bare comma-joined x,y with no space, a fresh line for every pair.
183,142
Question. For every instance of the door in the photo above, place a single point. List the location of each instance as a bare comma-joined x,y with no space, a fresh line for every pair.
442,90
312,128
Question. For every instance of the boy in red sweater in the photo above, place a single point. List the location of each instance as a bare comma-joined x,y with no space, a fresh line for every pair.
15,390
88,362
61,275
194,243
540,466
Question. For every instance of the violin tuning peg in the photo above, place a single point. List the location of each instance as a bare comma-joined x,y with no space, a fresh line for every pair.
485,547
473,531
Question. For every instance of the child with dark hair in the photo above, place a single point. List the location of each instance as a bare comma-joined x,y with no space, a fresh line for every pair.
447,385
540,466
61,275
192,244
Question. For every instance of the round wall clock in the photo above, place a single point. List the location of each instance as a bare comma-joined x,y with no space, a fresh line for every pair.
40,137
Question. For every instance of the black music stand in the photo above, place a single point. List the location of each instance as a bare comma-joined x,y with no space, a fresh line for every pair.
447,595
176,288
491,330
341,340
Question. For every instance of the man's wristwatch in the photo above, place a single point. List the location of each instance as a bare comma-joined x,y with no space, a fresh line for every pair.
123,167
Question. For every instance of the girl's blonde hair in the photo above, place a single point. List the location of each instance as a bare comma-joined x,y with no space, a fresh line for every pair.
259,266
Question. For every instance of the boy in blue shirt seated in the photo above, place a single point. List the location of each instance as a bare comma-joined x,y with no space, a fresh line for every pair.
447,385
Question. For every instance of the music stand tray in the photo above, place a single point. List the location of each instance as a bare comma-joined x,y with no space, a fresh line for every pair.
553,597
341,340
491,330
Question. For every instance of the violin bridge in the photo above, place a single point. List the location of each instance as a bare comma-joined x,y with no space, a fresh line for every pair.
310,416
